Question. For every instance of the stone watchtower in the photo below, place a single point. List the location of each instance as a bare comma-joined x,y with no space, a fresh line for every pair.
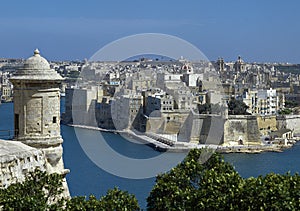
37,110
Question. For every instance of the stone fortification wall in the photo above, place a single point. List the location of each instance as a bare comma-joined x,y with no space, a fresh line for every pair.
241,127
16,160
266,124
185,133
213,129
154,124
167,123
290,122
202,128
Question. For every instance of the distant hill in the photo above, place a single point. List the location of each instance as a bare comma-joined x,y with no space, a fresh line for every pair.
288,68
149,57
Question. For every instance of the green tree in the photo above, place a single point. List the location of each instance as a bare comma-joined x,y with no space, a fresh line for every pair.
39,191
271,192
194,186
215,185
204,108
73,74
209,108
114,199
42,191
285,111
81,203
203,181
237,107
291,103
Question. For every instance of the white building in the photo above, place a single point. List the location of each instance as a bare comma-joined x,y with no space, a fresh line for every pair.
192,79
251,100
167,78
263,102
268,102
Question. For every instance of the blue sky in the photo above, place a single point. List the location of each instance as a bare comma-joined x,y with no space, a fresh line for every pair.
262,31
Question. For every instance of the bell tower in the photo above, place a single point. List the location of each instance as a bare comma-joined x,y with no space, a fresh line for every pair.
37,110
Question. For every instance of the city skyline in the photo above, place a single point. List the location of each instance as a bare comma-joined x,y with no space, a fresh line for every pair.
71,30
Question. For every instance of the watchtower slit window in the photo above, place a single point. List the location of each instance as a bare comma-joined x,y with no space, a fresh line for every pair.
54,119
17,125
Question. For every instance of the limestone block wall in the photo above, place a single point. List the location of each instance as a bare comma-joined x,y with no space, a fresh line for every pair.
290,122
37,111
266,124
185,133
203,129
167,123
213,129
16,160
244,127
154,124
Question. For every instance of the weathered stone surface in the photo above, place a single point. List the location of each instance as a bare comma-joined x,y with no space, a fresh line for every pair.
202,128
17,159
266,124
289,121
37,116
241,127
36,68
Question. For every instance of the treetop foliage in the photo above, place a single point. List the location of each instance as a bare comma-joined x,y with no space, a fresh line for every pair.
215,185
39,191
209,108
114,199
237,107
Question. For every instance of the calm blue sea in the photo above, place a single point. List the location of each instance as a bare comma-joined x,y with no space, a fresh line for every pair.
87,178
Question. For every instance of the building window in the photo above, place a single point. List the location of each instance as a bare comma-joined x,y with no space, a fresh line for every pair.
54,119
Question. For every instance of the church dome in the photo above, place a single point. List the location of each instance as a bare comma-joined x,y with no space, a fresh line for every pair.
36,67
